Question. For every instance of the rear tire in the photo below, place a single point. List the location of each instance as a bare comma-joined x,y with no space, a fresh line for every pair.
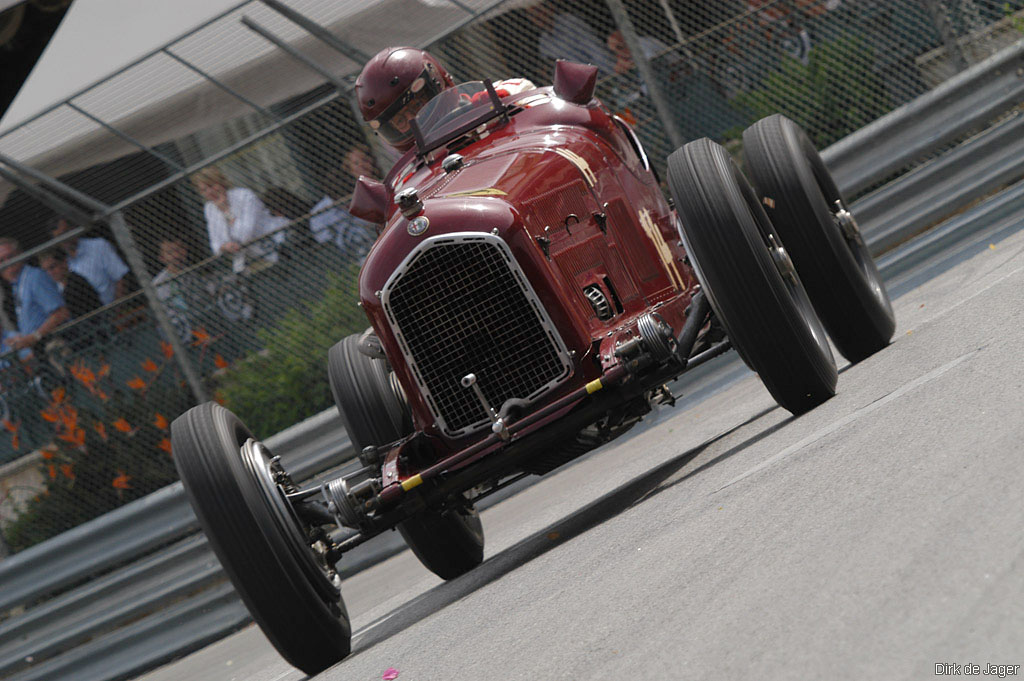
372,412
235,490
834,264
748,279
448,542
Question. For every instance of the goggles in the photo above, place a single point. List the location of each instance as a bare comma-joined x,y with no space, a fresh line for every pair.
394,124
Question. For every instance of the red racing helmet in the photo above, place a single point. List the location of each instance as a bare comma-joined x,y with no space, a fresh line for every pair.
394,86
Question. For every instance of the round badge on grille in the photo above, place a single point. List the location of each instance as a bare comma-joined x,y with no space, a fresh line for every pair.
418,226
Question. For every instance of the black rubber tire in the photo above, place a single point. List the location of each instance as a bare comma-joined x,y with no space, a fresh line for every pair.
769,318
449,543
369,408
838,272
261,548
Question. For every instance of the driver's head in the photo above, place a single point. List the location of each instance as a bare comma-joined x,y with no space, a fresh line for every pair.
394,86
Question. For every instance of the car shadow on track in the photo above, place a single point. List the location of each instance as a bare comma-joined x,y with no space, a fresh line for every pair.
634,492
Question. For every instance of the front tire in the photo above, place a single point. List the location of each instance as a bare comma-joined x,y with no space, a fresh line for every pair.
748,278
449,542
804,204
235,487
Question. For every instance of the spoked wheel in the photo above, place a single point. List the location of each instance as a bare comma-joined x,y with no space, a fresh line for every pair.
821,235
449,542
237,489
749,278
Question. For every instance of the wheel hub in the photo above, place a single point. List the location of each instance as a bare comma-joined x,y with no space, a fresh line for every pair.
847,223
275,484
783,263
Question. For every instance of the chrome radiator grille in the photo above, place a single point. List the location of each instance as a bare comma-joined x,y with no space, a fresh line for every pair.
460,304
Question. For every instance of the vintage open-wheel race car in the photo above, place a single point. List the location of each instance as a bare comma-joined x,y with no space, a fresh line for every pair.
530,295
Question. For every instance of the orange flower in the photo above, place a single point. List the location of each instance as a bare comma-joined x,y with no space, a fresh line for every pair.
137,384
83,373
15,441
87,378
47,453
167,349
150,366
122,426
68,417
52,470
100,429
75,437
9,427
58,395
49,415
121,481
160,421
68,471
220,361
165,445
202,336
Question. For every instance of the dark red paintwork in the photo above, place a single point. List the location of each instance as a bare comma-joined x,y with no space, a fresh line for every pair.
553,159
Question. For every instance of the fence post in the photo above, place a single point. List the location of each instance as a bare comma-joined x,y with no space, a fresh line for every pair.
126,241
643,67
941,20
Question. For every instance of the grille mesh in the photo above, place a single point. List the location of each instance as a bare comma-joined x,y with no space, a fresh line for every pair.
459,309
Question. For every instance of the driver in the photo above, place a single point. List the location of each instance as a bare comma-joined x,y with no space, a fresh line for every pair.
398,82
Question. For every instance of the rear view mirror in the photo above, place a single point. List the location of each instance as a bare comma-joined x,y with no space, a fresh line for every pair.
369,200
575,82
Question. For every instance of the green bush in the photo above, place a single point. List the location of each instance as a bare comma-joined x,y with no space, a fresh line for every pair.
286,381
836,93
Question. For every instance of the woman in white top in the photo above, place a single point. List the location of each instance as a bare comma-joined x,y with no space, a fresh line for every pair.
236,218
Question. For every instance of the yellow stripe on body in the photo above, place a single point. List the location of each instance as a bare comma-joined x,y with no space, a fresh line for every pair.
414,481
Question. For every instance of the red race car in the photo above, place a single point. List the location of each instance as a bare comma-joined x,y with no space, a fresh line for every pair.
530,295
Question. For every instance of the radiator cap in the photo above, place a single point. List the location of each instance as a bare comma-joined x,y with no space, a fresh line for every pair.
409,202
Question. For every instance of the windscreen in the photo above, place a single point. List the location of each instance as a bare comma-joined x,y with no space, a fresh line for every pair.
461,108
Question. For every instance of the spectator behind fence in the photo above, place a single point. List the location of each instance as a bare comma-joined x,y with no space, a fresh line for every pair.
79,295
171,287
178,288
784,25
237,220
629,95
331,221
563,35
38,305
283,202
97,260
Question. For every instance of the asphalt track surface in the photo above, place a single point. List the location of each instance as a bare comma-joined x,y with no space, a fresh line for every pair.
872,538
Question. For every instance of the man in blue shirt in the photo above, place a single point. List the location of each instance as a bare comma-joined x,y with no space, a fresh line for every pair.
331,221
39,306
97,261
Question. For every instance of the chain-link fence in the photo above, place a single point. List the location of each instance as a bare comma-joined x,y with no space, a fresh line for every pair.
226,161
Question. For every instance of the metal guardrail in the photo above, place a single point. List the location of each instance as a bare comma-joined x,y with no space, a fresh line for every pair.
966,101
987,222
972,171
170,596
